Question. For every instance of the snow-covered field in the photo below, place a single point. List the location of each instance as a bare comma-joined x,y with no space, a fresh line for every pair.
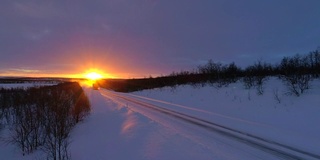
24,85
287,119
121,129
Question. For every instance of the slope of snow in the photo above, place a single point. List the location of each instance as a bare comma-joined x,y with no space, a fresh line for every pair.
113,131
117,129
292,121
24,85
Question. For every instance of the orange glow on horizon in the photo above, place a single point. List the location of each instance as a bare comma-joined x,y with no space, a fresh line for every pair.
96,75
87,60
74,75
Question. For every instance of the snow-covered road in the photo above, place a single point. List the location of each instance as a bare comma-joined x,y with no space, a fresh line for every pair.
124,126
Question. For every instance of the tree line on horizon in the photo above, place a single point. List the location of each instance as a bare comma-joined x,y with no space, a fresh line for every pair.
43,117
296,72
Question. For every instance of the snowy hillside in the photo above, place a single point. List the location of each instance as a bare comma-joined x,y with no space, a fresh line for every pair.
118,126
276,114
124,126
25,85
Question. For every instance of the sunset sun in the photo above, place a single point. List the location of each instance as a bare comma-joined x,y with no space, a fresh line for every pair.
93,76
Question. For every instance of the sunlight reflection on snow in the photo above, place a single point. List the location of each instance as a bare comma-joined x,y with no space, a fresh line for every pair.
129,123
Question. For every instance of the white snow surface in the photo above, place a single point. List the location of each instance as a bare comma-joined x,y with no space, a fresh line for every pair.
292,121
24,85
118,129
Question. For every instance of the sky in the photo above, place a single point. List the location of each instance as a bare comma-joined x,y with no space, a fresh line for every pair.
128,39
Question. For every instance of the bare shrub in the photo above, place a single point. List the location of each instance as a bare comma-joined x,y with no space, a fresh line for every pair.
276,95
295,72
260,81
1,110
297,84
256,75
81,107
44,117
248,82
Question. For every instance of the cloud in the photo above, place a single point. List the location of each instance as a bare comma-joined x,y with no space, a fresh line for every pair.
35,10
19,72
38,35
24,70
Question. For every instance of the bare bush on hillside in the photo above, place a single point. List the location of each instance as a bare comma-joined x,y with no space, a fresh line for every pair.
43,117
296,74
276,95
256,76
219,75
297,84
